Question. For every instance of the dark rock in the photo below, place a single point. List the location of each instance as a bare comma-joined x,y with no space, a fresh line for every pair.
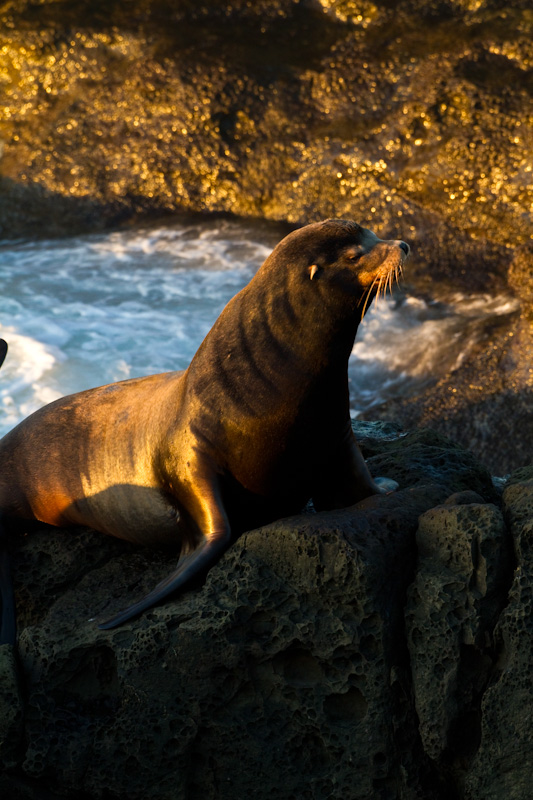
370,652
521,475
485,404
461,584
422,457
257,683
503,765
11,708
463,498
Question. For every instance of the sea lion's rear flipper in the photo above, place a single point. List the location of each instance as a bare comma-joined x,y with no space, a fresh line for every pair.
203,513
188,569
3,351
8,625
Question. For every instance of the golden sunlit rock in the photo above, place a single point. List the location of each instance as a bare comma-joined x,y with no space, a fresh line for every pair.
415,118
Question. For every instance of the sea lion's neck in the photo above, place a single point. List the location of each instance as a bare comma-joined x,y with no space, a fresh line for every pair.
320,334
270,343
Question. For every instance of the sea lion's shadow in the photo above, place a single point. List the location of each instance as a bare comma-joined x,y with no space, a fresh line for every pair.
74,555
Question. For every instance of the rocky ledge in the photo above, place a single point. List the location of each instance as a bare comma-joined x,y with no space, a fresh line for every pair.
381,651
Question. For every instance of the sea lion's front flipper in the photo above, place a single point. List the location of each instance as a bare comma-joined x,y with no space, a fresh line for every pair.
345,478
205,513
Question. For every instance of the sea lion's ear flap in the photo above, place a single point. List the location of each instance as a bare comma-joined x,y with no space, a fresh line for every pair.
313,271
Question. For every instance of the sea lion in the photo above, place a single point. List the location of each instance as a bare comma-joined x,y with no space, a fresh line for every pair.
257,424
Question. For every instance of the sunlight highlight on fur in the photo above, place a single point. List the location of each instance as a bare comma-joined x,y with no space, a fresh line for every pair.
385,282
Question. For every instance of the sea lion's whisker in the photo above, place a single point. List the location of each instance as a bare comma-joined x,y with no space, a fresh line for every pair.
366,302
380,289
368,296
398,272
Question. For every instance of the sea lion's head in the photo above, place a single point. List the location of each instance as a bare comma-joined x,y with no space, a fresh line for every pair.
341,257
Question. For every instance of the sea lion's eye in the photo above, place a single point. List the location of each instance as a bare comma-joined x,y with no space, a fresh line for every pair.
354,254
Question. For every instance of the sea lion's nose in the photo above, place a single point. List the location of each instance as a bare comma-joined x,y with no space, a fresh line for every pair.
405,247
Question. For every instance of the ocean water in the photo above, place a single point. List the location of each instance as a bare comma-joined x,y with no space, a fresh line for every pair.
90,310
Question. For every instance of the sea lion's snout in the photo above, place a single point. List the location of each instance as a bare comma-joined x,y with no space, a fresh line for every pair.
405,247
381,268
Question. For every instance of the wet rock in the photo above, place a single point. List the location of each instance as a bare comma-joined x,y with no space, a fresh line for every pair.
477,406
521,475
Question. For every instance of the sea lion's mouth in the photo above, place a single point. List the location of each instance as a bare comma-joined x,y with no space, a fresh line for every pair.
383,278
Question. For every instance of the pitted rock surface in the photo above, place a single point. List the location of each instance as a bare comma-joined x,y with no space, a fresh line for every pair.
504,760
461,584
273,668
378,651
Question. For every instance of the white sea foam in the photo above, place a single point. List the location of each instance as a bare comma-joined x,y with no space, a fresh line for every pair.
404,343
91,310
25,386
